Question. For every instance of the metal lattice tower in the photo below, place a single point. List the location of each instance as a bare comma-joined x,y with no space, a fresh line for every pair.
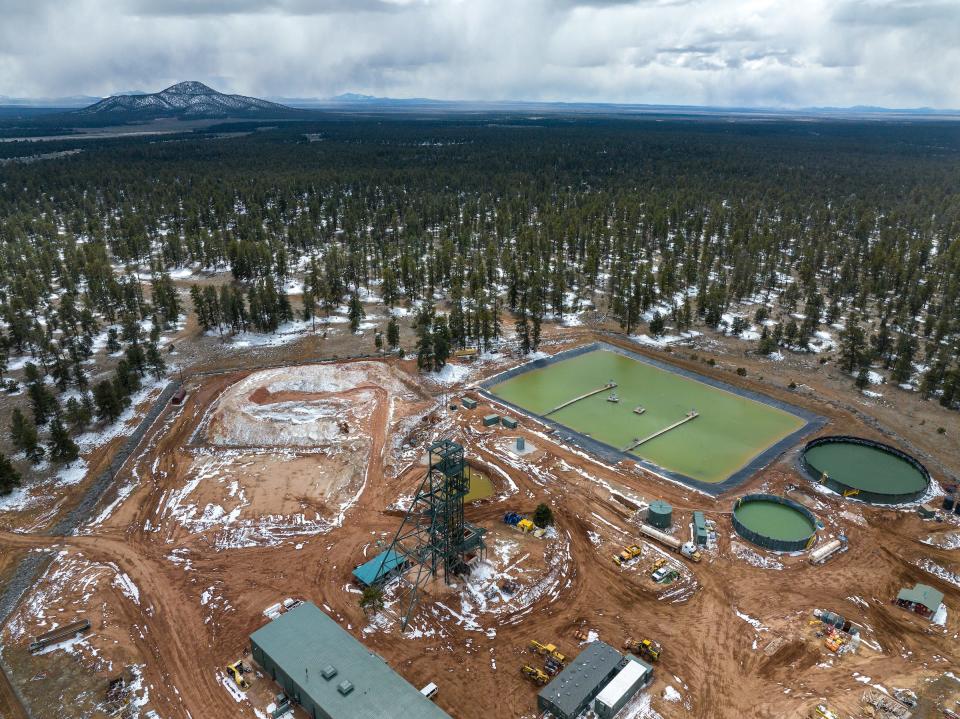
433,536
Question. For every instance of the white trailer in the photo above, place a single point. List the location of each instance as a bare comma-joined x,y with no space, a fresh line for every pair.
687,549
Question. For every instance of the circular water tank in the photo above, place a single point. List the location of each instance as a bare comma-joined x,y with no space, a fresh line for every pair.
660,514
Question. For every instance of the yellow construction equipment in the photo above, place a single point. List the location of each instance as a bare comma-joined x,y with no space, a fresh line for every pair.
544,649
822,712
537,675
628,554
559,658
646,648
238,675
851,492
525,525
657,564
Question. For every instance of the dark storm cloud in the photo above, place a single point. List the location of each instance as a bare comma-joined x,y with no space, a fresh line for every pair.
726,52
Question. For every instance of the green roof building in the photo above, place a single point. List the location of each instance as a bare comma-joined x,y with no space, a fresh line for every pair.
922,599
330,674
376,570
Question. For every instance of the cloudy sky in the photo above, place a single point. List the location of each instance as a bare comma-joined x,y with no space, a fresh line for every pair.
895,53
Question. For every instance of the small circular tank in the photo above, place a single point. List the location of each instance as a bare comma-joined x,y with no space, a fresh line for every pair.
660,514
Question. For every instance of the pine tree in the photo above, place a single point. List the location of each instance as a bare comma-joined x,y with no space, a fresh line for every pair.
356,312
62,447
441,343
109,405
424,329
393,333
23,434
154,360
113,342
852,345
78,414
9,476
543,516
657,327
522,327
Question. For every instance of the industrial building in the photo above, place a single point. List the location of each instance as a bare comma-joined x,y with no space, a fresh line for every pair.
596,669
380,568
330,674
922,599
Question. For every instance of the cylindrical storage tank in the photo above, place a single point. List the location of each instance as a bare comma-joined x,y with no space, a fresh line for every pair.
866,470
660,514
774,522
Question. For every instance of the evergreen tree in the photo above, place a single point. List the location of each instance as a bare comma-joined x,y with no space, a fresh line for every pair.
109,404
424,329
393,333
543,516
9,476
42,400
657,326
62,447
356,312
78,414
852,345
441,343
23,434
154,360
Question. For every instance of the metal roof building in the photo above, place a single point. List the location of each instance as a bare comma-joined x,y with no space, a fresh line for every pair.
379,568
922,598
332,675
572,690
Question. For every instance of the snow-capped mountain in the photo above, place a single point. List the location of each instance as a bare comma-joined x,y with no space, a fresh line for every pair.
185,99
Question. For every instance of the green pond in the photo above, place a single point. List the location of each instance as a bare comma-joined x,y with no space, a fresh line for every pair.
867,468
774,520
728,433
480,486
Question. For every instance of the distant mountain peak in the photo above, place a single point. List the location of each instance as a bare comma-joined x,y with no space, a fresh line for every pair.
189,99
189,87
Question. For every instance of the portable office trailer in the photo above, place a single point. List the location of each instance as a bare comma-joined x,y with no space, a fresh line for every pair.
634,675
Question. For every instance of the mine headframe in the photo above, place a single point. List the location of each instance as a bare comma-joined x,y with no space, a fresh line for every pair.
433,537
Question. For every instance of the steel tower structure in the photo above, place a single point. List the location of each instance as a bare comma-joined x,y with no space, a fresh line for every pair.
433,537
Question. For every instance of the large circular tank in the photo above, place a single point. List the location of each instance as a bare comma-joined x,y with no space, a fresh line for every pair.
864,469
774,522
660,514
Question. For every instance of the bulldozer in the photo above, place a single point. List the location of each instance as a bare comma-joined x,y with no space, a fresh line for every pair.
646,648
628,554
538,676
236,670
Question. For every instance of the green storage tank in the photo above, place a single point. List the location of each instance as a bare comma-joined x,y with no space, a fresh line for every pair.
509,422
491,419
469,403
660,514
